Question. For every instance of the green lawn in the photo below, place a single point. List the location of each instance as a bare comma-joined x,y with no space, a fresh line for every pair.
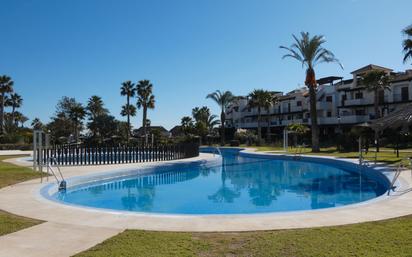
384,238
385,155
11,174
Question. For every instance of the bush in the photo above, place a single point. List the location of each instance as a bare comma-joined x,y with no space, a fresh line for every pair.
16,147
234,143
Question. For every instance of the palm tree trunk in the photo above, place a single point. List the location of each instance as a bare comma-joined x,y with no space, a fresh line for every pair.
13,111
2,113
259,128
144,120
128,118
222,133
314,119
377,115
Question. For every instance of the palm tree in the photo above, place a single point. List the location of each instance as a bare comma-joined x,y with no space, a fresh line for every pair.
407,44
223,99
128,110
95,107
187,125
6,86
145,100
260,99
76,115
376,81
128,89
310,52
14,101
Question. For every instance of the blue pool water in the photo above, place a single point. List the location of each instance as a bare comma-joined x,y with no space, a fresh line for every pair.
240,185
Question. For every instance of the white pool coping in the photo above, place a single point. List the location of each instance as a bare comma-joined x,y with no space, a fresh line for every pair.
25,199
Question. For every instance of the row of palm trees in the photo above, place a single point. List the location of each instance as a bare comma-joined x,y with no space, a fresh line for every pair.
8,98
309,51
143,90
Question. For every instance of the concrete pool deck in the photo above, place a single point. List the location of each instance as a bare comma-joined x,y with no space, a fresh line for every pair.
70,229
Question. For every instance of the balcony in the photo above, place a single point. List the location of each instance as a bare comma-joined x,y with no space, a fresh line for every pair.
361,101
324,105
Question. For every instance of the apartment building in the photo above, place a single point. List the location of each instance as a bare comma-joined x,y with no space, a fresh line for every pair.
340,103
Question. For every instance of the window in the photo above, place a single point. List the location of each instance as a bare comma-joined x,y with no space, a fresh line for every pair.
358,95
236,109
288,107
329,98
405,94
299,103
289,117
329,114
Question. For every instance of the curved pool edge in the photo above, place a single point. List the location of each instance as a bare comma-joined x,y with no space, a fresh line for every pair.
17,200
378,174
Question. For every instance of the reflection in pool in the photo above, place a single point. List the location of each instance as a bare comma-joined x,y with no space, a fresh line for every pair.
240,185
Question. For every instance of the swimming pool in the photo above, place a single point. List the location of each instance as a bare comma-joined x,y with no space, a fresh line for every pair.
238,184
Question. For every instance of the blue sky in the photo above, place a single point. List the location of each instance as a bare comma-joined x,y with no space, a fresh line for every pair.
187,48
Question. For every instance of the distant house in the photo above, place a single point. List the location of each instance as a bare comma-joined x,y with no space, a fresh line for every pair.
176,131
150,129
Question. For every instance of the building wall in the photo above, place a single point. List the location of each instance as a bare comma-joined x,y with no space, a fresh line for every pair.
332,108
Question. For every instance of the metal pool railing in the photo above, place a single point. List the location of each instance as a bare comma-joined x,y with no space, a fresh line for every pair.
84,155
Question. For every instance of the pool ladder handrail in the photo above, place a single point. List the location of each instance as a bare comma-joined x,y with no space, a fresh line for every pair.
60,182
398,172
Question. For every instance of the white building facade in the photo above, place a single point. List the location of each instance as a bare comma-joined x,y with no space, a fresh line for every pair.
339,103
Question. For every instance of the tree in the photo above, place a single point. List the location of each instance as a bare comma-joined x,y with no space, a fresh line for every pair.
204,121
128,89
6,86
128,110
260,99
104,125
76,115
68,118
297,130
310,52
223,99
375,81
187,125
37,124
95,107
407,44
145,99
14,101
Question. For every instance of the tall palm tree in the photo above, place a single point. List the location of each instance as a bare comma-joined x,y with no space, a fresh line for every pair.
14,101
223,99
145,100
260,99
310,52
128,89
6,86
407,44
376,81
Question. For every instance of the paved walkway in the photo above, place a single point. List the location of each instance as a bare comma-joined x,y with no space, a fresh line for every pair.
53,240
74,229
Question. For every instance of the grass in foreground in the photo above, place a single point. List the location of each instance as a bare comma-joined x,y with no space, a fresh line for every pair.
11,174
384,238
10,223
